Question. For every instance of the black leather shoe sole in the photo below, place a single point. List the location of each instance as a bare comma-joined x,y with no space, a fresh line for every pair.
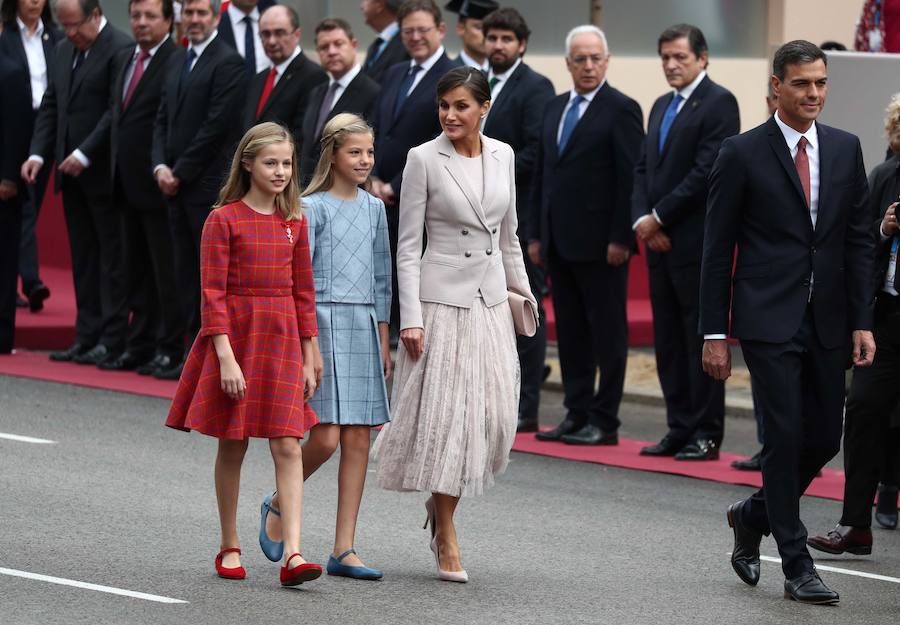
862,550
822,601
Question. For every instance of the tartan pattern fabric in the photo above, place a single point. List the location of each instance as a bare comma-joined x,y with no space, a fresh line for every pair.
256,287
352,268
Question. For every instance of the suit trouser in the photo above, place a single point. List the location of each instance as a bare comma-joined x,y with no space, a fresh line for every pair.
95,237
156,315
868,437
28,250
800,388
695,403
589,300
186,221
10,231
532,349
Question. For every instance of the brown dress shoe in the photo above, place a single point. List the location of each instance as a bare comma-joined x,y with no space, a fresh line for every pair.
855,540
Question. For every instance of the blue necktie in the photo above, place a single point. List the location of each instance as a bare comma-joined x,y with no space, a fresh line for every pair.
668,119
570,122
404,88
249,47
189,59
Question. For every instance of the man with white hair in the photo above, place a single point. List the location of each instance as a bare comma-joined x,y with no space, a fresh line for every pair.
590,140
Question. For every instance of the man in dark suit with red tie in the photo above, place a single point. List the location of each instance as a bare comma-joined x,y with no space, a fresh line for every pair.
348,90
156,331
791,194
387,48
281,93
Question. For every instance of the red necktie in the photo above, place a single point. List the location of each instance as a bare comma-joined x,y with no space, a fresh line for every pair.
135,76
267,91
801,161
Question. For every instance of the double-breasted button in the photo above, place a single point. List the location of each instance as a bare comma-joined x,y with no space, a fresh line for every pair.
465,232
488,251
467,254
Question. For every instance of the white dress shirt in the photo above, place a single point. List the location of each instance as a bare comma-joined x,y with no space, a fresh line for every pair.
582,106
281,68
426,65
239,28
343,82
37,62
502,79
386,35
134,57
468,60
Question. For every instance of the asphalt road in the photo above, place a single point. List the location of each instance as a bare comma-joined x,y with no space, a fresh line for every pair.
119,500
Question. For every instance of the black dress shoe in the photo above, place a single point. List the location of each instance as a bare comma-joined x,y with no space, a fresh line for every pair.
66,355
160,362
591,435
172,373
126,361
668,446
21,302
94,356
36,296
566,427
745,555
809,588
886,509
527,425
752,463
546,373
700,449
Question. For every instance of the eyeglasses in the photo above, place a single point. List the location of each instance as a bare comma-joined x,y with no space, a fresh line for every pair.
421,31
581,59
67,27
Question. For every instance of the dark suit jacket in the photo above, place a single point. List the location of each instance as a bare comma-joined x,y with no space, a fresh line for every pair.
11,47
395,52
884,187
14,135
359,98
75,113
288,101
226,32
515,118
588,187
416,123
196,125
757,203
132,128
675,182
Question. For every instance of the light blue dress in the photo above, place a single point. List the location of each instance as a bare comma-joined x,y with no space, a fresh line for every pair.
351,261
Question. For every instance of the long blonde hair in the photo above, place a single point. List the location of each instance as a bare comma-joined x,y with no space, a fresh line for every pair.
333,136
287,203
892,123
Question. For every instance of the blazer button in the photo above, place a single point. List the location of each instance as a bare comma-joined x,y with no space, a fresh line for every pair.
494,231
488,251
465,232
467,254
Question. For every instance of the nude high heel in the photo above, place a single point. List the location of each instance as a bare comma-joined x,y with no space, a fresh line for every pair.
447,576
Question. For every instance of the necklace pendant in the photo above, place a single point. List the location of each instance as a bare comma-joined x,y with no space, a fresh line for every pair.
289,232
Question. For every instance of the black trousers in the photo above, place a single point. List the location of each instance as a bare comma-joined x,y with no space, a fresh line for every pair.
532,349
695,403
28,251
800,390
10,231
157,324
186,219
95,238
868,436
589,299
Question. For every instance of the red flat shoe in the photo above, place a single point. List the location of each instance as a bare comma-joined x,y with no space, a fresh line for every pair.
305,572
237,572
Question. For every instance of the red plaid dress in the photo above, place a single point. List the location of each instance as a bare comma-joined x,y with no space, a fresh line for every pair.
257,287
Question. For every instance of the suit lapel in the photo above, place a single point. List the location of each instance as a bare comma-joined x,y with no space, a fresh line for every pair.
454,168
283,82
491,167
507,92
92,59
692,104
592,111
199,65
424,85
783,153
825,163
560,105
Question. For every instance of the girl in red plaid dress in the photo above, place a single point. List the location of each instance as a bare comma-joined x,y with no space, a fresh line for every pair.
250,370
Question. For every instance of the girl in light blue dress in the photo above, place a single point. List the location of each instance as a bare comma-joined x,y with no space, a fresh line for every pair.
351,259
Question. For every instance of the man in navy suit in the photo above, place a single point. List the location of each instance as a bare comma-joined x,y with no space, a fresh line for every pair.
589,144
519,96
668,207
239,28
792,195
406,113
387,48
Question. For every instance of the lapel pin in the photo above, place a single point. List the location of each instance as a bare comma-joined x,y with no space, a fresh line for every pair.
46,37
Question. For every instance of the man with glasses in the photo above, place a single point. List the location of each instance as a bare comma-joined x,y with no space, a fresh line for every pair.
387,48
280,93
406,112
589,144
72,128
348,90
193,138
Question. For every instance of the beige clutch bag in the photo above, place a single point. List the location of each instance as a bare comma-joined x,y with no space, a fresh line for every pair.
524,315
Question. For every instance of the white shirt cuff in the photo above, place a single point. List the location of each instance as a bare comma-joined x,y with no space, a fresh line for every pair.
37,159
643,217
714,337
81,158
157,168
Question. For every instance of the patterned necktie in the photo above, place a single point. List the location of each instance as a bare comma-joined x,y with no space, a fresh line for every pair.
249,46
267,91
801,161
373,52
325,108
405,86
668,120
570,122
136,74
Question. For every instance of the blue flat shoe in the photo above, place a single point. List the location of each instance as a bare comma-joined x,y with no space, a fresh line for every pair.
274,550
356,572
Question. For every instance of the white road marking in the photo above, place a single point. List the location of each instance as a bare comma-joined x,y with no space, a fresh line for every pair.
87,586
26,439
834,569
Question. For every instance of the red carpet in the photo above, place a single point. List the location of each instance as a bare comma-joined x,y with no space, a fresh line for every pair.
37,366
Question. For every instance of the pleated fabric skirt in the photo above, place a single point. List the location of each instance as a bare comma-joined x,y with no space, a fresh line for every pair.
454,411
